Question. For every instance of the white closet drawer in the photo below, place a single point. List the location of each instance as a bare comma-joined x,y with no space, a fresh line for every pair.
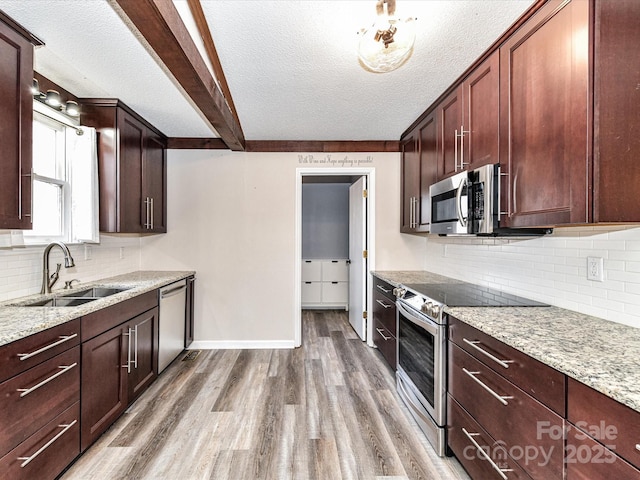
335,271
335,292
311,293
311,270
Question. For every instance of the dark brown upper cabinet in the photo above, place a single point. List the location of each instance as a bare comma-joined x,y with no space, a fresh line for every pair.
16,124
419,171
468,119
132,168
544,118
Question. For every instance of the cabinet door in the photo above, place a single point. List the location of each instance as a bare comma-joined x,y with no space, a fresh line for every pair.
104,382
450,125
479,144
154,178
544,77
428,167
410,178
16,118
144,349
131,207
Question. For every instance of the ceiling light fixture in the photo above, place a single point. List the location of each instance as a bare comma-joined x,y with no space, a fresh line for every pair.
388,43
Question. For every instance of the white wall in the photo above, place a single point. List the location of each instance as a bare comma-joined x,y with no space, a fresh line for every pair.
21,268
552,268
232,219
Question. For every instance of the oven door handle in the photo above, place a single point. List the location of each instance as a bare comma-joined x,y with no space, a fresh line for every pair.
421,321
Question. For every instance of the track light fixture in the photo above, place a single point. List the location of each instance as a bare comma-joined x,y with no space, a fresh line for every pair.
54,100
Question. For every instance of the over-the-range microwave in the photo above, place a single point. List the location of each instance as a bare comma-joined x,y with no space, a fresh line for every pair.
468,203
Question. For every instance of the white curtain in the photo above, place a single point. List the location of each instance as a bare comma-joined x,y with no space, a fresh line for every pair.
82,157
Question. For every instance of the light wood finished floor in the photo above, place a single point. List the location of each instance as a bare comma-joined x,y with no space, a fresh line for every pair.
328,410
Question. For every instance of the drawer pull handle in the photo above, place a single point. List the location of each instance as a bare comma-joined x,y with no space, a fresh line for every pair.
28,460
24,356
384,304
65,369
379,330
473,343
485,456
385,290
501,398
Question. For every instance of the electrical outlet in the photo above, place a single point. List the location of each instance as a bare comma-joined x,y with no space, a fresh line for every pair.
121,253
595,270
87,252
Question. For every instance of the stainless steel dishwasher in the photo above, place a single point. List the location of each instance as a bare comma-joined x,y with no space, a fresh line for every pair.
173,300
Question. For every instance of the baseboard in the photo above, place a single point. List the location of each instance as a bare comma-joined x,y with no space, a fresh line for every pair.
241,344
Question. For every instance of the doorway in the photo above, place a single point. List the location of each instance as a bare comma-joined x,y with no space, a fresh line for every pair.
361,247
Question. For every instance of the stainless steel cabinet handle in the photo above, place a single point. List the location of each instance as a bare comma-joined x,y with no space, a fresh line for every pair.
384,304
28,460
128,365
379,330
152,213
383,289
501,398
463,132
474,344
63,338
135,349
455,150
65,369
481,451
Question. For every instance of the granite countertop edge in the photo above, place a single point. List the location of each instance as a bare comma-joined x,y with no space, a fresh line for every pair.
583,347
18,321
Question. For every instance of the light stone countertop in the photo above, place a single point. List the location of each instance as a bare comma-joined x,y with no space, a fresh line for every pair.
18,321
602,354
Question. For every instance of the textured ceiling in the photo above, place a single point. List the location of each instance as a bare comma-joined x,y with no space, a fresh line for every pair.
291,65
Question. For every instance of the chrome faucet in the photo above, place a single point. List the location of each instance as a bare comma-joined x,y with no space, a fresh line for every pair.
49,281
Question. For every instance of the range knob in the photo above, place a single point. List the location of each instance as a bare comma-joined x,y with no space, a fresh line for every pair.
435,310
426,308
399,292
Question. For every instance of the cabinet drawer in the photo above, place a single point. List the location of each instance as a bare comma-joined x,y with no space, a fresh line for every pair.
586,459
335,292
311,292
386,343
102,320
384,311
51,449
25,353
30,400
608,421
335,271
507,413
384,288
537,379
311,270
469,441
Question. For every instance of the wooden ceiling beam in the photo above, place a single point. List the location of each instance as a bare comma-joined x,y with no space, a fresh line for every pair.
334,146
162,28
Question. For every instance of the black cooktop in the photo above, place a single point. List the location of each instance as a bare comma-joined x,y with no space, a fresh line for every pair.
469,295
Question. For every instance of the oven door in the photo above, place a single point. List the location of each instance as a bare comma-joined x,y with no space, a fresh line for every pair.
421,362
449,204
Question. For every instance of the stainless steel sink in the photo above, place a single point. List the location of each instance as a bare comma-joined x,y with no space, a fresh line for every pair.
80,297
95,292
60,302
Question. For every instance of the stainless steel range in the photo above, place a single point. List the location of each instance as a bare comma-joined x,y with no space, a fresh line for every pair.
422,347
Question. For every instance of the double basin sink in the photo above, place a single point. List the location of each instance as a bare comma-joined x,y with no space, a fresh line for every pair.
80,297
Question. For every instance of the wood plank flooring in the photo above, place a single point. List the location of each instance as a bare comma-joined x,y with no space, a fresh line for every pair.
328,410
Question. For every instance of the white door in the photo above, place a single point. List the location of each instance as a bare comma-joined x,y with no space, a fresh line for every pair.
358,265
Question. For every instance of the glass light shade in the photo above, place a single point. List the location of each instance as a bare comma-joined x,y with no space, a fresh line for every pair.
72,109
53,98
377,53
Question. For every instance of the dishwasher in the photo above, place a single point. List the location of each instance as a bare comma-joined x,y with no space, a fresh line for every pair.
173,300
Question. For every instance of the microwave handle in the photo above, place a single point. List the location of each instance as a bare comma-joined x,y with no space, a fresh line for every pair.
461,219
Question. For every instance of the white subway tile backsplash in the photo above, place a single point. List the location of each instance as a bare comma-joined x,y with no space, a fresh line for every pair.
552,268
21,268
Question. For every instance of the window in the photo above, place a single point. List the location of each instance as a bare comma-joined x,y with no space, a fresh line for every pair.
65,195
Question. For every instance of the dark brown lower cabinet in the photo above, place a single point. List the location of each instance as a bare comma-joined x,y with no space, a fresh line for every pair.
117,366
384,321
47,452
